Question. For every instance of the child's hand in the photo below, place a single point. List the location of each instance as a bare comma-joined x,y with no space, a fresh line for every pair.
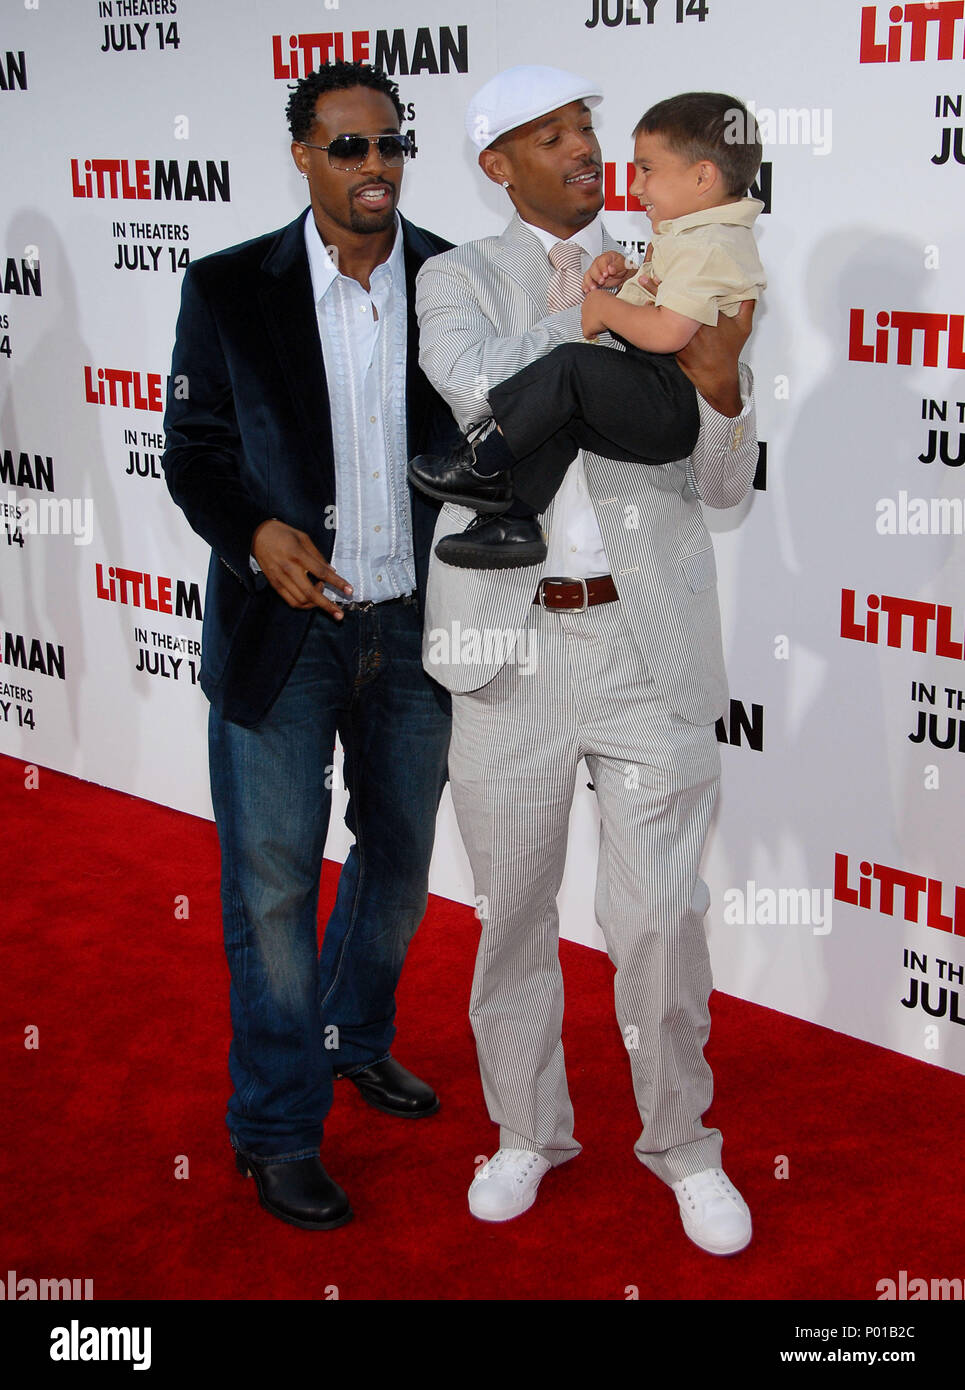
647,281
594,308
606,272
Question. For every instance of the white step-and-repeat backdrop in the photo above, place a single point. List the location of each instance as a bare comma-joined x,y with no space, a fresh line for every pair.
138,134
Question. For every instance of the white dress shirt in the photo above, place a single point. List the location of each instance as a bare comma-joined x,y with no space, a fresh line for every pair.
364,335
575,545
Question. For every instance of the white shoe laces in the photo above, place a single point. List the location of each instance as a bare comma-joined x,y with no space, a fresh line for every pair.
516,1163
709,1186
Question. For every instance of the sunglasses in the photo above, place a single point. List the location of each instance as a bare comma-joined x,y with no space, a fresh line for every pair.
349,152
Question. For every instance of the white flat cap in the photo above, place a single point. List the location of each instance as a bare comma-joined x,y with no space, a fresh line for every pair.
518,95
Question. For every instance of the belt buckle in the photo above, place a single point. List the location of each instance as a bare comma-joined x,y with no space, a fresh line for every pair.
563,579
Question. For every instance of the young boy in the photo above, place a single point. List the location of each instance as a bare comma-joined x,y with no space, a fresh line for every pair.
695,157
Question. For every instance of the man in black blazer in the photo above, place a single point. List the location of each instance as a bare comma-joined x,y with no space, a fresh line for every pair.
295,401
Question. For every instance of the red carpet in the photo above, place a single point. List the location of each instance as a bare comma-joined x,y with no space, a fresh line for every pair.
130,1079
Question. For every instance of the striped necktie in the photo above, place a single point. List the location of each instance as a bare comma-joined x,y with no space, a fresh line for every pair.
566,285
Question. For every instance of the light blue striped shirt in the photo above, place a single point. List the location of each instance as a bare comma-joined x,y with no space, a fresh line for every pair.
363,335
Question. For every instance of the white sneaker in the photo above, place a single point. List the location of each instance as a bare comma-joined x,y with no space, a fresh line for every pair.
506,1186
714,1214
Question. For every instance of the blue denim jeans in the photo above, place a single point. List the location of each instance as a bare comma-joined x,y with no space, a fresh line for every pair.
297,1015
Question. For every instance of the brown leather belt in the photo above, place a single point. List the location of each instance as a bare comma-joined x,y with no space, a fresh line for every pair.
575,594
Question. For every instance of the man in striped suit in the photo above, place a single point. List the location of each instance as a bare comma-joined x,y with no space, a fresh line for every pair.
618,661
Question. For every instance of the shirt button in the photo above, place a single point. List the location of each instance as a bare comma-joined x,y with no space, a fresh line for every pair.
379,578
375,474
378,528
572,549
372,422
363,308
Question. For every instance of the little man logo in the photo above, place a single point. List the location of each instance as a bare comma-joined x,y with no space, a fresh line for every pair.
38,475
117,386
43,657
140,589
393,53
21,276
617,179
131,178
897,330
917,22
929,628
13,71
913,888
741,727
621,200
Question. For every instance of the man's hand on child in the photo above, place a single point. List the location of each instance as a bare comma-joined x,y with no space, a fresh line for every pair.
710,359
606,272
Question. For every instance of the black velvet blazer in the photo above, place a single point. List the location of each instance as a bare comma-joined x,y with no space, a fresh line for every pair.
248,437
